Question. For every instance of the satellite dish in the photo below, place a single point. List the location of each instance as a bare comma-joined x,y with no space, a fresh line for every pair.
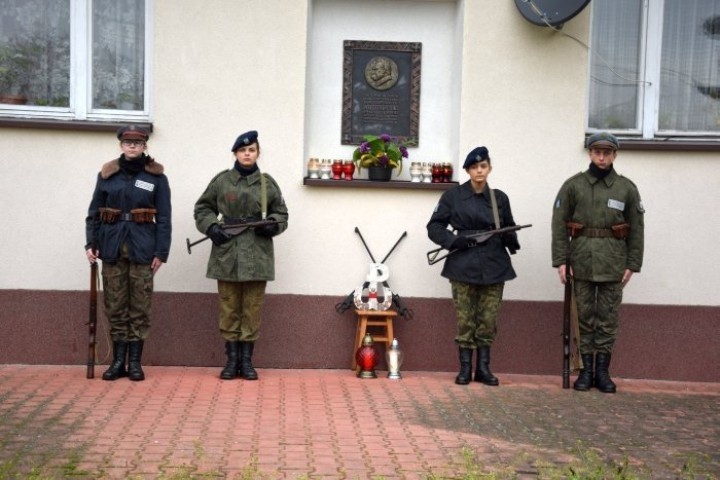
553,12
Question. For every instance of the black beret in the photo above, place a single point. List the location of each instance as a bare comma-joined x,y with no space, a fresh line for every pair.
477,154
247,138
132,132
602,140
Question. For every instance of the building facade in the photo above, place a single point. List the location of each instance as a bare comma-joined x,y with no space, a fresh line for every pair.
200,73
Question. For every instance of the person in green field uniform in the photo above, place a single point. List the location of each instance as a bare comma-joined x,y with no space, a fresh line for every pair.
599,216
242,264
477,272
129,228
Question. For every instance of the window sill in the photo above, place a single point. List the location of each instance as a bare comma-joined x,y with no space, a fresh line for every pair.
77,125
392,184
686,145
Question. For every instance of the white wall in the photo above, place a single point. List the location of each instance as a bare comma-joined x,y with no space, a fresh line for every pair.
223,67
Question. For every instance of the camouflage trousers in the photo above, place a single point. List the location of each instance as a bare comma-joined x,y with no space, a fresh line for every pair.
477,308
127,295
240,310
598,306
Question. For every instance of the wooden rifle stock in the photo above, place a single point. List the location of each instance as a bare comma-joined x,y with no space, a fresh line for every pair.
92,320
566,323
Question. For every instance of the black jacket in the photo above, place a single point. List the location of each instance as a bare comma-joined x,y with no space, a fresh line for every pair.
117,189
467,212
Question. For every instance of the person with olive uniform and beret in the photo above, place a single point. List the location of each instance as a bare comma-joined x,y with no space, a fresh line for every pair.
242,264
477,272
129,228
599,217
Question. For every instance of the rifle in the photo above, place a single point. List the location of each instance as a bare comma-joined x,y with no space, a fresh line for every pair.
233,230
92,322
572,360
567,305
349,301
480,237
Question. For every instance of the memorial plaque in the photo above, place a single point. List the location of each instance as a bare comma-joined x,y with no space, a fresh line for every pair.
381,90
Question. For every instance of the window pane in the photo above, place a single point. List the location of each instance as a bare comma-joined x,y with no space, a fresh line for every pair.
615,64
118,53
35,52
690,75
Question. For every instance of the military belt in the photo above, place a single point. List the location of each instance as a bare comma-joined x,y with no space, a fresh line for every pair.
137,215
595,233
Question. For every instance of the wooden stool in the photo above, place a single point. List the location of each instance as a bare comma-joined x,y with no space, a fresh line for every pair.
378,321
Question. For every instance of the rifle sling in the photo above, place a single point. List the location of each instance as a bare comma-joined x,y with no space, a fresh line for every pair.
263,196
493,202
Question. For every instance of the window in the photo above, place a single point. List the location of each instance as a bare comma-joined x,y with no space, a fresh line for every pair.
74,59
655,68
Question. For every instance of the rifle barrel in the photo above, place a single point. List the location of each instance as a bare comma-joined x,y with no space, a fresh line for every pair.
357,230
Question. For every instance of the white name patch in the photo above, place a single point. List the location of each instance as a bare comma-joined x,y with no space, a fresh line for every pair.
144,185
616,204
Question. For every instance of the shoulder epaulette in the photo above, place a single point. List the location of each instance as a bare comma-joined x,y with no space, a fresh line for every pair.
110,168
220,174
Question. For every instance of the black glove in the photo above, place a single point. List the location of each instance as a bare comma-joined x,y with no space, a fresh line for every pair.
462,243
268,230
218,235
510,242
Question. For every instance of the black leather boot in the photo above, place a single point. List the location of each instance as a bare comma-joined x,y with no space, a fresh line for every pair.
465,373
231,367
135,371
603,382
584,381
117,367
246,370
482,370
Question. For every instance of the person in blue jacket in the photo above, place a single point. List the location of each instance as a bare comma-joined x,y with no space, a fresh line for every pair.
477,272
128,227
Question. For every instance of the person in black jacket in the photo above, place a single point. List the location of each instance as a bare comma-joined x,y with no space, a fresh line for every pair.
129,228
477,272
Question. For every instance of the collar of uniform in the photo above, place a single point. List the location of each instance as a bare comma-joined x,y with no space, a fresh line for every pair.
609,180
113,166
252,178
468,190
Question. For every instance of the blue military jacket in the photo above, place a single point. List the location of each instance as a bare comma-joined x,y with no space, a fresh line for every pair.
119,190
469,212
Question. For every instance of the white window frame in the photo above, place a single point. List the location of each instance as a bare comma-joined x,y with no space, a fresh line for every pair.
647,123
81,76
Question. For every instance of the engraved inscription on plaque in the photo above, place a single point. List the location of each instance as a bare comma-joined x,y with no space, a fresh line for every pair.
381,90
380,108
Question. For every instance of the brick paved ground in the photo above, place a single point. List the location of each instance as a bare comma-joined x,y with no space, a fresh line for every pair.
185,423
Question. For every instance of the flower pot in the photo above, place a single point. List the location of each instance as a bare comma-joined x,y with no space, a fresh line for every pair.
379,174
